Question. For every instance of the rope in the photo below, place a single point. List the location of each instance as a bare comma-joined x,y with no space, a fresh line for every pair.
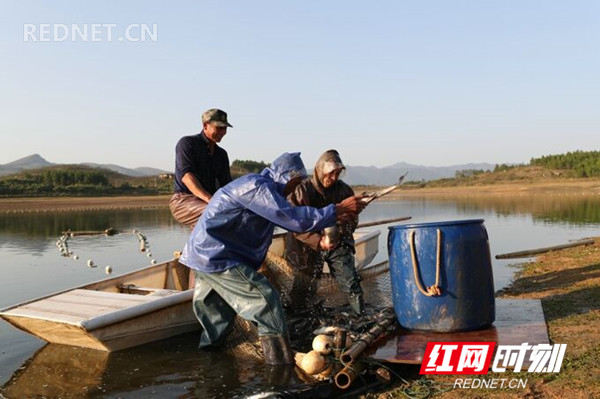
433,290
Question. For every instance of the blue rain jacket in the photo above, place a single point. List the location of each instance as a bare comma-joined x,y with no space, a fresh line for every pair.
237,225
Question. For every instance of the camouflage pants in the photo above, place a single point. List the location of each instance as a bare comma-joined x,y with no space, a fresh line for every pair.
342,269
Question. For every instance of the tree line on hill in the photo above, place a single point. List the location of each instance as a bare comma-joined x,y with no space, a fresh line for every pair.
240,168
582,163
79,181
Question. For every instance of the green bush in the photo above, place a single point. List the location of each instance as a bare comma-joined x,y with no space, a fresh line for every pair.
583,163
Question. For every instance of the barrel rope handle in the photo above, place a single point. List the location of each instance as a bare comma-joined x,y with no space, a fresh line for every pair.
433,290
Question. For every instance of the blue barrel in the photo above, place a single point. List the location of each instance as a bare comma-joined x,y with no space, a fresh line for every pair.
456,255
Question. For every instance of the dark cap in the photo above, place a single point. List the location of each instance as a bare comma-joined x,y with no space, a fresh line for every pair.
216,117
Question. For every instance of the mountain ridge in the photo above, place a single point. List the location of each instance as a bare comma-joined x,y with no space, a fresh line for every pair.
389,175
355,175
36,161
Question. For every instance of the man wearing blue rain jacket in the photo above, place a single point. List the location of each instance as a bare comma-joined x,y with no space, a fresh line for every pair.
230,242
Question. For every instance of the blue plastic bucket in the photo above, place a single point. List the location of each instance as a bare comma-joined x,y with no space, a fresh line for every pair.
456,254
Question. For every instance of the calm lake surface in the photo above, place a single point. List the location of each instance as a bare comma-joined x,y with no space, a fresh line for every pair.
31,266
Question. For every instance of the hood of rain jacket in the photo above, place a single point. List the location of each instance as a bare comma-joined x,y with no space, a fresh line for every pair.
237,225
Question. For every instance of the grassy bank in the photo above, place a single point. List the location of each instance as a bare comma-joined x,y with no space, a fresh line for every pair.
568,284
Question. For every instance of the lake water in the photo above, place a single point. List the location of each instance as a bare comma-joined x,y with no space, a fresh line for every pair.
31,266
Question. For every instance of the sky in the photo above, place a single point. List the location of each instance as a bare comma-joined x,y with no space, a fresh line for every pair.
433,82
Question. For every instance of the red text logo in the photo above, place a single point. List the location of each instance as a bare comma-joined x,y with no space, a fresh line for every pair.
457,357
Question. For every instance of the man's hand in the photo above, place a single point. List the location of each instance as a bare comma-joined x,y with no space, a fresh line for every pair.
325,244
349,208
195,187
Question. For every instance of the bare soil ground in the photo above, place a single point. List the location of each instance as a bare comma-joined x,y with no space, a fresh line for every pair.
52,204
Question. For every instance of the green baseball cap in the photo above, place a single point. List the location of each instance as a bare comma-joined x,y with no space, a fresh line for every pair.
216,116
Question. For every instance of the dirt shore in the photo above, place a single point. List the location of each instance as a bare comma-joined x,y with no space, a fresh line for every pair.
65,204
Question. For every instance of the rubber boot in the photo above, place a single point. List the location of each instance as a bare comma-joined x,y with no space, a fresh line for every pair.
357,303
279,375
276,349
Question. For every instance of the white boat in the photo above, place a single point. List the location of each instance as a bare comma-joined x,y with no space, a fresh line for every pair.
135,308
112,314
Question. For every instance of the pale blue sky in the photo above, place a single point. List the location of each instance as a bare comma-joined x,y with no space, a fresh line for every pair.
426,82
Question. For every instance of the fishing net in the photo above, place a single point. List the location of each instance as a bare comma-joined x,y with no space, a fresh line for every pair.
375,281
324,304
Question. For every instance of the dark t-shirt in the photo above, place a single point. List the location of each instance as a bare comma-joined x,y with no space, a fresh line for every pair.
192,154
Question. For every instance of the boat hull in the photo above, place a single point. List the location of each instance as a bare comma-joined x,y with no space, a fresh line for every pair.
168,322
107,316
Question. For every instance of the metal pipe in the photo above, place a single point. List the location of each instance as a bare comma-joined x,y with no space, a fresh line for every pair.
346,376
366,339
339,342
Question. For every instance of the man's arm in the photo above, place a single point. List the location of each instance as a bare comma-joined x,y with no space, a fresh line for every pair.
267,202
195,187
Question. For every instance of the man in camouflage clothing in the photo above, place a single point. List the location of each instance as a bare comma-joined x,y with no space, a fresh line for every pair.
308,251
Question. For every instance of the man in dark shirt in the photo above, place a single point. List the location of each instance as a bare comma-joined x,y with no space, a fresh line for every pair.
201,168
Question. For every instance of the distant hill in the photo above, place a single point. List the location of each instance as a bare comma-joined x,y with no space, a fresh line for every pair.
146,171
371,175
36,161
355,175
136,172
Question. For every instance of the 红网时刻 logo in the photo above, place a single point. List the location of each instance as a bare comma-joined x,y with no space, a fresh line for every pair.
477,358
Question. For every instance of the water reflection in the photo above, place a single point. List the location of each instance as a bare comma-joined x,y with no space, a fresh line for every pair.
573,209
169,368
47,224
36,233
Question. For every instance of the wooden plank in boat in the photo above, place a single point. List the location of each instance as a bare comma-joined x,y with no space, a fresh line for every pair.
75,306
517,321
